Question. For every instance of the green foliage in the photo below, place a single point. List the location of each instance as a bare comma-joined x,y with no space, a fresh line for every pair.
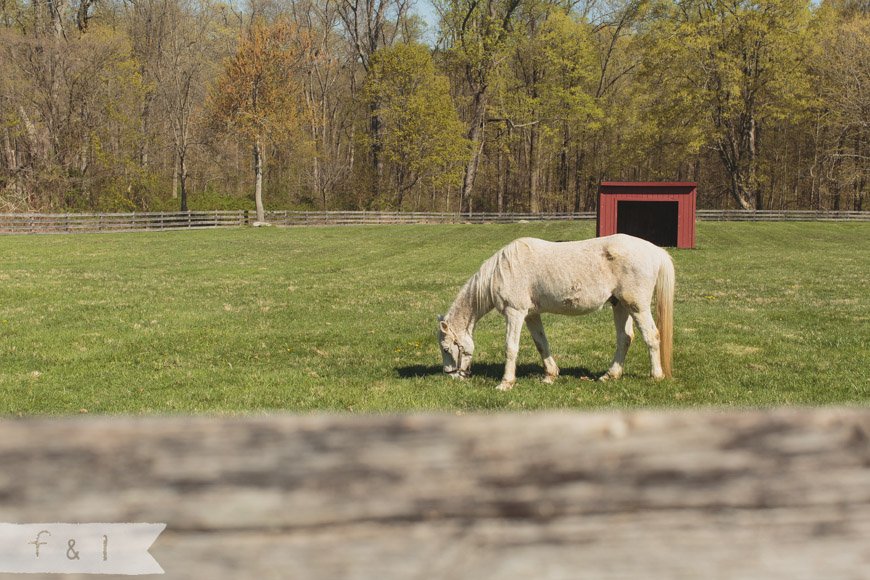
343,319
528,104
421,135
842,65
66,99
138,191
736,66
208,199
567,58
476,34
552,70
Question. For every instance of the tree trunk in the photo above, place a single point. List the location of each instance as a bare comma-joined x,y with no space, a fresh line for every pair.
37,144
258,180
182,179
838,161
861,182
9,153
377,158
400,188
475,135
534,202
175,171
563,175
146,129
752,177
593,175
578,178
82,16
730,156
56,9
502,180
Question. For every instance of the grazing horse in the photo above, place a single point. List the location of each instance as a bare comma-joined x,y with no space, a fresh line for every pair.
530,276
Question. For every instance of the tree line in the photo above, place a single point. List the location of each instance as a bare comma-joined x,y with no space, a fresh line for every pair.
499,105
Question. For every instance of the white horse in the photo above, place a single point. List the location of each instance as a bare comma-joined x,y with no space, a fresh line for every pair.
530,276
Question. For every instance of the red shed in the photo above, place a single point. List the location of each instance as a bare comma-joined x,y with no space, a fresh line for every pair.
663,213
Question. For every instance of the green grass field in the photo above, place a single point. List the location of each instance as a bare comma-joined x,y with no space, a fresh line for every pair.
343,319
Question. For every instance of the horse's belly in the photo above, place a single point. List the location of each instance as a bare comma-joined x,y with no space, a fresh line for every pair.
572,309
574,303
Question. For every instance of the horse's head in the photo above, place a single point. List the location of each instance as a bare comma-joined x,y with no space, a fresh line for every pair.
456,350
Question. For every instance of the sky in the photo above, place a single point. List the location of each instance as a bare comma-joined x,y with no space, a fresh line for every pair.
426,10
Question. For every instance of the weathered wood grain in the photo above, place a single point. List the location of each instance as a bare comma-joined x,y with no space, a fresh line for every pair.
783,494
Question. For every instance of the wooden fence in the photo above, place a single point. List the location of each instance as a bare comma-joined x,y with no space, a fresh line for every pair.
37,223
33,223
609,496
736,215
353,218
47,223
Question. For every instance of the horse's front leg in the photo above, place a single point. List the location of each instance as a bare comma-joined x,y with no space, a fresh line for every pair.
514,325
536,328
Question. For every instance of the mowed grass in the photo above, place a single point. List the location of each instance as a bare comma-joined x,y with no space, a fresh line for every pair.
343,319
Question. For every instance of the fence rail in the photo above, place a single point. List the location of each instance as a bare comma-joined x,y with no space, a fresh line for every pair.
737,215
342,218
780,495
47,223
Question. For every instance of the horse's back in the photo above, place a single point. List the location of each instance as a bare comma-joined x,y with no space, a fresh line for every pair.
620,250
580,276
629,251
623,244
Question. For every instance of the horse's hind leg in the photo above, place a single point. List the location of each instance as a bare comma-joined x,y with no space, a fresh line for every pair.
536,328
624,336
650,334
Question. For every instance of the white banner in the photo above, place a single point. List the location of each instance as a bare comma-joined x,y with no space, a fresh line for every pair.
79,548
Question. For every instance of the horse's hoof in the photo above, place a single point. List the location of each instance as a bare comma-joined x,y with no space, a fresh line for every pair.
549,379
505,386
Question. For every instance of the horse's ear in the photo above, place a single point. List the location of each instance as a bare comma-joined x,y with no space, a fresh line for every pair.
443,324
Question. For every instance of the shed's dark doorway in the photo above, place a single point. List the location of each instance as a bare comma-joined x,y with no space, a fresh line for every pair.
654,221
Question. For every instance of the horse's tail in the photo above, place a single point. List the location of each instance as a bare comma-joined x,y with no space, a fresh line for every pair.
665,312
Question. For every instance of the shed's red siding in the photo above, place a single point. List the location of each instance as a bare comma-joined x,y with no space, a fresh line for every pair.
610,193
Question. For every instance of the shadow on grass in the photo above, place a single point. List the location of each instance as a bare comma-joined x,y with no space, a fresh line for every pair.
494,371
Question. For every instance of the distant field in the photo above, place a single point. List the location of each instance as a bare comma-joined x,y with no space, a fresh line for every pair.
343,319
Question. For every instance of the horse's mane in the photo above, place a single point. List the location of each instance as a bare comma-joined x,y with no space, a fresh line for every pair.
491,278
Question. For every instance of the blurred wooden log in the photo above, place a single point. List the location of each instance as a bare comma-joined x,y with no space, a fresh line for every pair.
782,494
